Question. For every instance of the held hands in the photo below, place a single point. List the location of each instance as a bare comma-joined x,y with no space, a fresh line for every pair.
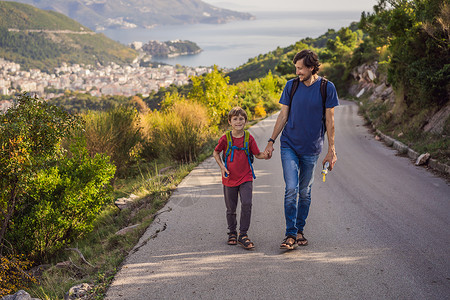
268,151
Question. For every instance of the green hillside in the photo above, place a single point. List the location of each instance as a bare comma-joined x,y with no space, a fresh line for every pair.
279,61
23,16
61,39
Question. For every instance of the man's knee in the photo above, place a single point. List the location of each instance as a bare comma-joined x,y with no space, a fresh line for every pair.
290,192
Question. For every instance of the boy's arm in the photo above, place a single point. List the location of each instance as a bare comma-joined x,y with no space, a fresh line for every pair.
255,150
223,170
262,155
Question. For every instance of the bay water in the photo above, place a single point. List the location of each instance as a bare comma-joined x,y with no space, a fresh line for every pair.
232,44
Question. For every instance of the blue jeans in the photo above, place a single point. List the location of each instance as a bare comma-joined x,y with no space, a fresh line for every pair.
298,172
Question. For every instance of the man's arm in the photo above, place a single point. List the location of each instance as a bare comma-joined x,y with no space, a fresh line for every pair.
329,123
279,125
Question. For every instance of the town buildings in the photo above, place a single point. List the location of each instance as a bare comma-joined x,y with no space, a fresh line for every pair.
112,79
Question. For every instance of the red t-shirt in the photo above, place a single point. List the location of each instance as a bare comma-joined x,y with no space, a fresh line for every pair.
239,169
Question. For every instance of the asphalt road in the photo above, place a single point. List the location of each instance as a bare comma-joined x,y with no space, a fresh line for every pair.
379,228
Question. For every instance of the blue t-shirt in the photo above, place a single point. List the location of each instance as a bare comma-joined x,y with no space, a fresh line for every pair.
304,130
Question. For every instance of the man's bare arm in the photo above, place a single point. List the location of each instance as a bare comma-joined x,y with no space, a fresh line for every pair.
279,125
329,123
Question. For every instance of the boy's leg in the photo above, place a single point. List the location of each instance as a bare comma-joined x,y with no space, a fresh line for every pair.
231,200
245,192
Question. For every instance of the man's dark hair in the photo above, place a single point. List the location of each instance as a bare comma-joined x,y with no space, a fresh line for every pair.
310,59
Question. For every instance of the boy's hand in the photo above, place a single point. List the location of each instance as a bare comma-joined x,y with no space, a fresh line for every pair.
224,172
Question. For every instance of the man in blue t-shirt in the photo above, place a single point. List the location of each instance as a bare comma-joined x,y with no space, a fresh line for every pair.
301,121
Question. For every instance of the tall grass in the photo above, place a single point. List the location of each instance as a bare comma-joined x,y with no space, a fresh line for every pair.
115,133
181,130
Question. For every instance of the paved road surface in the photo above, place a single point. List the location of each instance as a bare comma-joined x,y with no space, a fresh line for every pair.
379,228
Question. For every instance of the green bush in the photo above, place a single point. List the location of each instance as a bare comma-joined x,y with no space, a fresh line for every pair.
62,203
30,137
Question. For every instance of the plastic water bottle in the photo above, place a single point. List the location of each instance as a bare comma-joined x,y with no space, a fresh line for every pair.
325,170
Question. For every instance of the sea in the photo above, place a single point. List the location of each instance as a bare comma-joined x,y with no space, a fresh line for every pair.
232,44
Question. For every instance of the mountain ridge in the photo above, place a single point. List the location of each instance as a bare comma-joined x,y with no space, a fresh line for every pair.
102,14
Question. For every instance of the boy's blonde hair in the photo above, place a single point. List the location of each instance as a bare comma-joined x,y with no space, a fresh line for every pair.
237,111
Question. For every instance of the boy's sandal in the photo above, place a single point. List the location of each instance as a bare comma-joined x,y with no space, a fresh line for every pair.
302,241
245,242
232,238
288,242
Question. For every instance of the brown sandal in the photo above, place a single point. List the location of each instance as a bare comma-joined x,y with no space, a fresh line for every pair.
301,241
232,238
288,242
245,242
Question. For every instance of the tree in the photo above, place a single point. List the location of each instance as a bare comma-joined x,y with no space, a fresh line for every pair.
417,35
342,47
213,91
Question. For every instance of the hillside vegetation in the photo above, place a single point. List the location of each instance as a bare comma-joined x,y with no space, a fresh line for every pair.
22,16
48,48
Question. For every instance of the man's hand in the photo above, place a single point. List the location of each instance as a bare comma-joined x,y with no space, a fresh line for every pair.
269,149
331,158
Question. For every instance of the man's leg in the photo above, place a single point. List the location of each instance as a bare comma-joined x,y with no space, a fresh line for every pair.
245,192
290,164
231,200
307,166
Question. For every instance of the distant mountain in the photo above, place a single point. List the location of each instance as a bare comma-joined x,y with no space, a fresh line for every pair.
40,39
100,14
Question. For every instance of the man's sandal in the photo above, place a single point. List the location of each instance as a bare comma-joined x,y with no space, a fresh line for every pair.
232,238
245,242
288,242
301,241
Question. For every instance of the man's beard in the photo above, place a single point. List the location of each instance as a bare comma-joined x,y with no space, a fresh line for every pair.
307,78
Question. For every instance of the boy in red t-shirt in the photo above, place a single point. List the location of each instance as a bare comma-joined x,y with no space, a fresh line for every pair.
237,177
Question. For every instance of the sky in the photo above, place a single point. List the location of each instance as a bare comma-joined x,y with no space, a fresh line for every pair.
293,5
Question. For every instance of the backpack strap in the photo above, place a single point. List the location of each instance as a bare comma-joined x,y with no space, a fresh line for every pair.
323,92
294,87
229,148
247,151
246,140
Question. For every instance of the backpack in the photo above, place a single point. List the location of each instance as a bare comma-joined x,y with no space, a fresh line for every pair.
231,148
323,92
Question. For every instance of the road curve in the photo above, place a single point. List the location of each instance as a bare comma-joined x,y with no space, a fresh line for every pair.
378,229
